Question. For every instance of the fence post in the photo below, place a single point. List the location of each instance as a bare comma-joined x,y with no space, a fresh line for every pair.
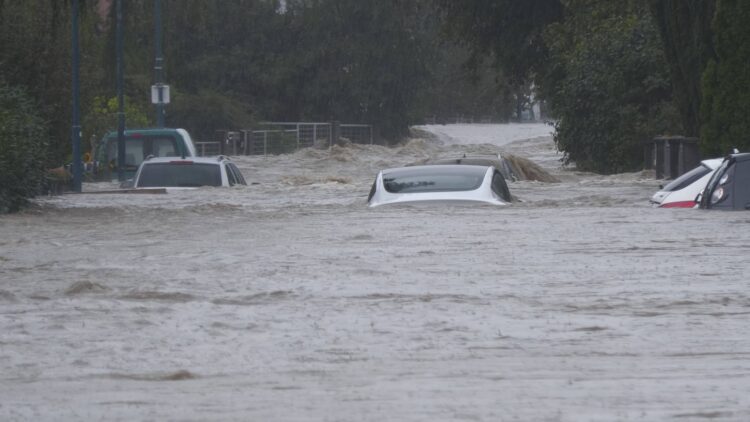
659,150
297,137
265,143
221,138
648,154
335,132
370,127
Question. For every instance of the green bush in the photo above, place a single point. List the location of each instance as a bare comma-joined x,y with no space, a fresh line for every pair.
726,82
612,90
23,146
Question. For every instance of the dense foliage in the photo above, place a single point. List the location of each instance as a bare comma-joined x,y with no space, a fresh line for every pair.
726,82
608,85
233,63
510,30
685,28
609,71
22,144
598,64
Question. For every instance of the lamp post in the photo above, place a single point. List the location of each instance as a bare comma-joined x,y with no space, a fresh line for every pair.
120,100
159,91
158,66
76,124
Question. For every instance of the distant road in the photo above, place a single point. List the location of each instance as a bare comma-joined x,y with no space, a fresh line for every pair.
495,134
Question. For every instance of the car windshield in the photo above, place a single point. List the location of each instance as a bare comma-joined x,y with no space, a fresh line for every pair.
687,179
713,181
434,179
179,174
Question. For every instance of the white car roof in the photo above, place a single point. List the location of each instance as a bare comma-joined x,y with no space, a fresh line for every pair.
481,192
203,160
441,167
713,163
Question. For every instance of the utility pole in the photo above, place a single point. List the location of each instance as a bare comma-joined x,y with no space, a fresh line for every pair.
76,126
120,100
158,66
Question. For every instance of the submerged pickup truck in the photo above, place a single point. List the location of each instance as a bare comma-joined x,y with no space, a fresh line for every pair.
139,144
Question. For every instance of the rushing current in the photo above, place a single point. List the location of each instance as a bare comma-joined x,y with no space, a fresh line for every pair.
288,299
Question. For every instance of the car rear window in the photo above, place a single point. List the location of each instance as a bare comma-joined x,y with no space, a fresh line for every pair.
687,179
434,179
179,174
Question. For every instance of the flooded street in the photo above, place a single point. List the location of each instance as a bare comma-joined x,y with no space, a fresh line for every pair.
288,299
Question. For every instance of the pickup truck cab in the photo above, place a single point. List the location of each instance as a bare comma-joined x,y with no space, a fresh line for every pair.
139,144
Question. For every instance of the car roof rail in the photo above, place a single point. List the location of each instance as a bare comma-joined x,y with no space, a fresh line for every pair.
221,157
148,157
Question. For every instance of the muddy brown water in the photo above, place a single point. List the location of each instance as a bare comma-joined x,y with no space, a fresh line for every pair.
289,299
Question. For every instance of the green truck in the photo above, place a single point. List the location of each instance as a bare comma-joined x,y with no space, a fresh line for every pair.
139,144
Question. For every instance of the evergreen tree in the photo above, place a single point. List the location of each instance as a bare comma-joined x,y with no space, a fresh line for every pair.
612,89
726,83
686,33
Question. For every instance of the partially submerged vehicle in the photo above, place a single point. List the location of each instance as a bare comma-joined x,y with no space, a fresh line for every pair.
188,172
681,192
139,144
440,184
729,186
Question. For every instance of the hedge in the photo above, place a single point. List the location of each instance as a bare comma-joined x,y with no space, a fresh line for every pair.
23,148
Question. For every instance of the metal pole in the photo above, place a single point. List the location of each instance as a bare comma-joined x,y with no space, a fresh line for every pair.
158,64
120,99
76,126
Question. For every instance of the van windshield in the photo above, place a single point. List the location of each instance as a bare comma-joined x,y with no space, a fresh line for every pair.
179,174
138,148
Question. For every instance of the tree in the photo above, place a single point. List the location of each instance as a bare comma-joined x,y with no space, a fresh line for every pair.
726,82
23,148
686,34
511,30
608,85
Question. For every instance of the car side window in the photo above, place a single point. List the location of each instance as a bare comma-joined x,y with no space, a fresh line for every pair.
230,176
237,174
372,191
500,187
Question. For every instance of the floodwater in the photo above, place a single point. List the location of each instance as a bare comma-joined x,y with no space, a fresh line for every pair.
290,300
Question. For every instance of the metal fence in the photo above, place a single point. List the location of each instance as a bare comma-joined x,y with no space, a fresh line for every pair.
284,137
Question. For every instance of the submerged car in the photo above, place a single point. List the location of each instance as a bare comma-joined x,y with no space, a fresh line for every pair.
189,172
440,183
681,192
729,187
